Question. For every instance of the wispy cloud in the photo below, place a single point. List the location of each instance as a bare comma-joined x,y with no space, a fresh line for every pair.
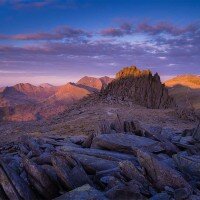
165,27
88,54
62,32
26,4
124,29
151,29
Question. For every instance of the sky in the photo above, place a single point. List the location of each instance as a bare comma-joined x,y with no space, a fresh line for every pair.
58,41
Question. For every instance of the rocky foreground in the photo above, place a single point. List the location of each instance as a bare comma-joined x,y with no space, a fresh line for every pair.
126,161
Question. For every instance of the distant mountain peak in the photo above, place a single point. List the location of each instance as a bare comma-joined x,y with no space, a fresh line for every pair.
187,80
11,91
95,83
46,85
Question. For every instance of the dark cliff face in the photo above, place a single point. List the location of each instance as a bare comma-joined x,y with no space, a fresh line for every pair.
141,87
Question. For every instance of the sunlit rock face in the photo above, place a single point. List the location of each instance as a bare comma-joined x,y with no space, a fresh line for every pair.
190,81
141,87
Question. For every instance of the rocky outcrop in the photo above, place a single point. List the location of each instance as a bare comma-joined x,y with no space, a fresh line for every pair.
129,165
141,87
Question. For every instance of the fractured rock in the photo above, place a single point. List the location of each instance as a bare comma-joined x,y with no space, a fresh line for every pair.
129,170
92,164
161,174
125,143
39,179
159,196
189,164
196,133
127,191
18,184
99,153
7,186
70,171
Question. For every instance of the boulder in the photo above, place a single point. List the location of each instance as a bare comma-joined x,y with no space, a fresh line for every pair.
126,191
130,171
44,158
170,133
78,139
125,143
187,140
196,133
188,164
84,192
88,141
181,194
109,181
32,145
167,160
70,171
99,153
92,164
19,185
109,172
159,196
39,179
7,186
161,174
49,170
154,132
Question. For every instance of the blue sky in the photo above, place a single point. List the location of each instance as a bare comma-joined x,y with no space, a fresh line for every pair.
57,41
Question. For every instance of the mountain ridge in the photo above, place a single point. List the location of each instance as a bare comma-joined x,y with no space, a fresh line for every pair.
186,90
130,86
25,101
188,80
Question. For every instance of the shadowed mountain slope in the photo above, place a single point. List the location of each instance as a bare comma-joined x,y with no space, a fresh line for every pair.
35,92
11,96
186,90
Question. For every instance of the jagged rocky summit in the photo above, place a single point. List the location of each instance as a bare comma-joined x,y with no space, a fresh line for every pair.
141,87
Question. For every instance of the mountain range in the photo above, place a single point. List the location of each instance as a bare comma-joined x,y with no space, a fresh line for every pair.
25,102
